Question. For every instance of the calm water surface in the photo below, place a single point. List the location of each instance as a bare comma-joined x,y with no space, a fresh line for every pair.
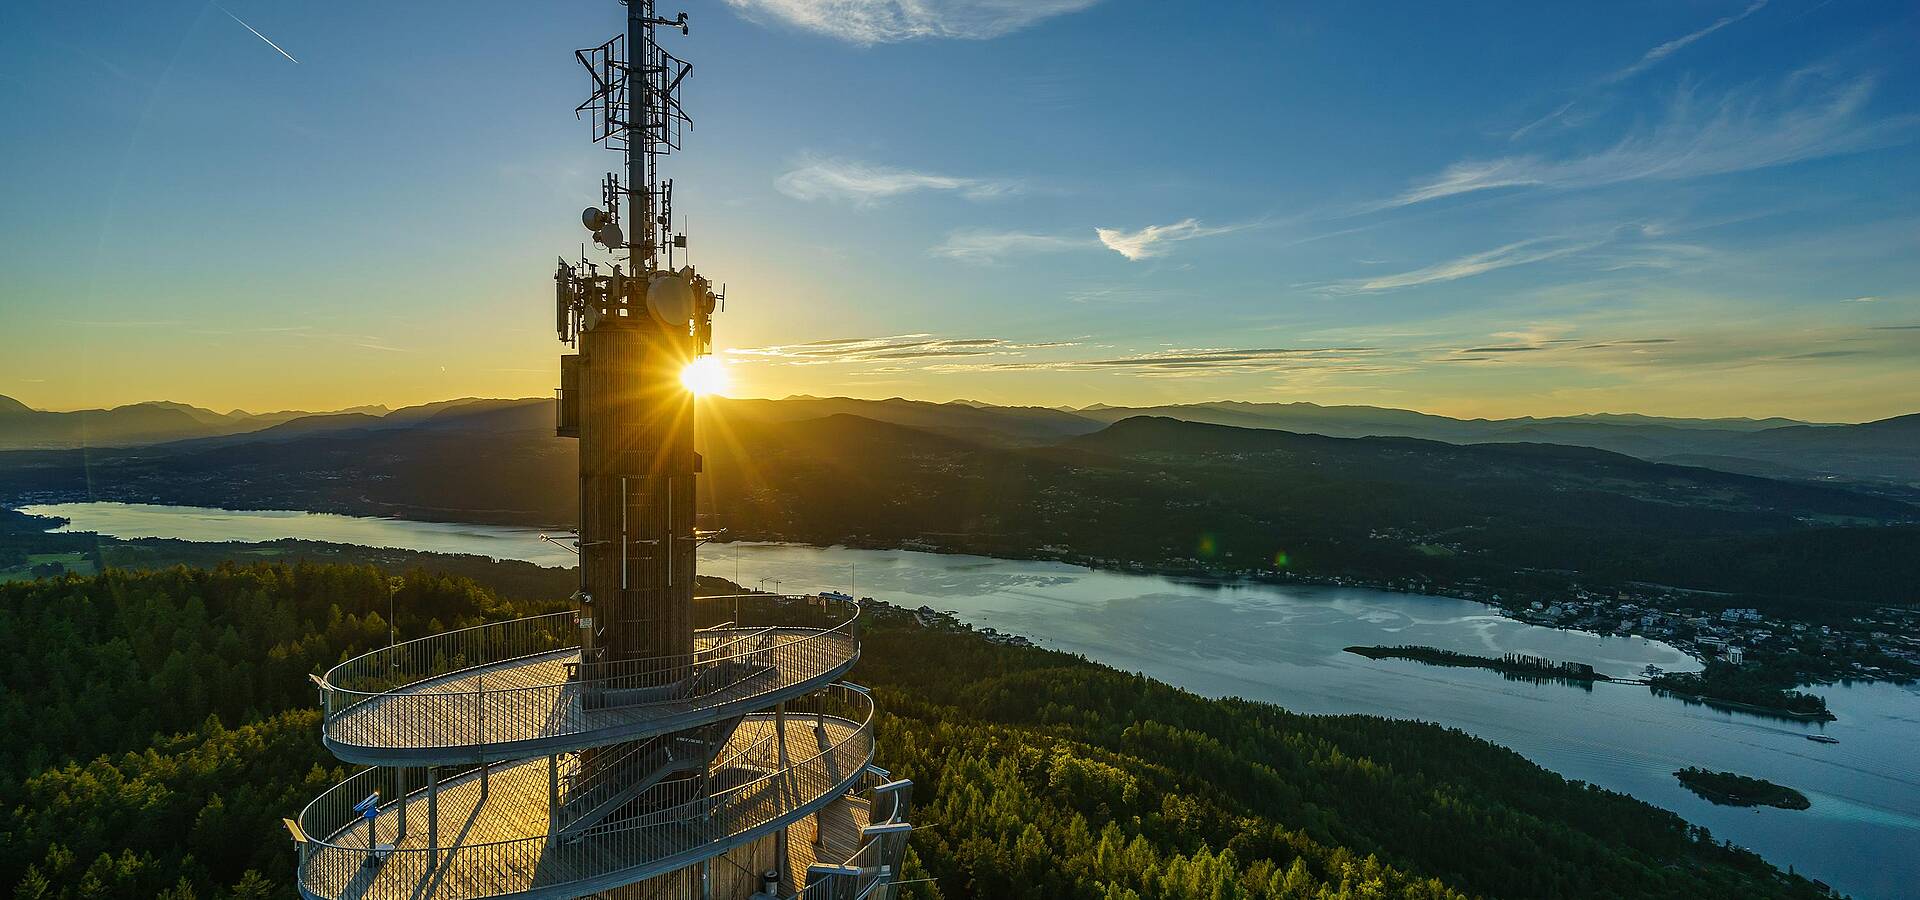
1283,644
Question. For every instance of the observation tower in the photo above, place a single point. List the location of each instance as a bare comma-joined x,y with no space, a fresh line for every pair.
646,743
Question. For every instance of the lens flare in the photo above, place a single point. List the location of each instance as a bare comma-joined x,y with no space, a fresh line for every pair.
706,375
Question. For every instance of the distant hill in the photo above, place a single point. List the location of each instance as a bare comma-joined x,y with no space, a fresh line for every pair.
1351,416
1549,471
1885,451
463,413
133,425
1011,425
1153,490
140,423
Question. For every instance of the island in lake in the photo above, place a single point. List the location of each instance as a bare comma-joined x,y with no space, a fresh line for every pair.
1516,664
1747,689
1728,789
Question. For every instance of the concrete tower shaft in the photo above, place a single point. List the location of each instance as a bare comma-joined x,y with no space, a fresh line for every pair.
637,469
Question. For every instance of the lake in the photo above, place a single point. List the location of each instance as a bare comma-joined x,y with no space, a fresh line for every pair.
1283,644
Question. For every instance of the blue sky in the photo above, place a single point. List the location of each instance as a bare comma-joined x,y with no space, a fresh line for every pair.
1690,208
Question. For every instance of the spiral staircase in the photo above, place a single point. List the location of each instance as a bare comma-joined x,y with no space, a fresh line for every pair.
497,768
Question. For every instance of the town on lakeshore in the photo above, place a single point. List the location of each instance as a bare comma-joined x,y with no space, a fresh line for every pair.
1881,645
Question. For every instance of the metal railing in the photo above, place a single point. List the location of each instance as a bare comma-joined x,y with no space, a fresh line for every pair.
872,872
757,797
585,788
488,688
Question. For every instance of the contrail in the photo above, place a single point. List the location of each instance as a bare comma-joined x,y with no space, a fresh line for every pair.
257,34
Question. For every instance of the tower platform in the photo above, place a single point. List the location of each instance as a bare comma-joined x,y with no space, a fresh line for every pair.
515,689
491,831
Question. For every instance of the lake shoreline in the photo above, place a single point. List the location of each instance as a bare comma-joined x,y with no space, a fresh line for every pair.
1517,607
1181,574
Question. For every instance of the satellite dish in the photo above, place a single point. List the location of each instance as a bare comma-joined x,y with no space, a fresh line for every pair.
670,299
593,218
609,236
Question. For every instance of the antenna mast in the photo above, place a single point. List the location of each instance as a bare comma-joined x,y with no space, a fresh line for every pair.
635,108
655,108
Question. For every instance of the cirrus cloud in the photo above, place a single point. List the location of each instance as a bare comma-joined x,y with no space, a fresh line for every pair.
891,21
987,247
863,184
1517,253
1654,56
1736,132
1152,240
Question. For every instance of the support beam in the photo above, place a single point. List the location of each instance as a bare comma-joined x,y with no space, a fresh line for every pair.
433,815
782,854
400,793
553,794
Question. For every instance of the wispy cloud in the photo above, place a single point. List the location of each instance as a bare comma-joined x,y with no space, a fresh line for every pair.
896,354
1213,360
265,329
863,184
890,21
1578,111
257,34
121,323
1635,342
1152,240
1861,300
1716,346
1559,114
1739,131
1653,57
987,247
884,349
1518,253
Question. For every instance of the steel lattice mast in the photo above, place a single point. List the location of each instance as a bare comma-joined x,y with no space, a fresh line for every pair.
647,743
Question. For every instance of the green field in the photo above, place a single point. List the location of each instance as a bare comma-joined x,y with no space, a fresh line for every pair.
76,563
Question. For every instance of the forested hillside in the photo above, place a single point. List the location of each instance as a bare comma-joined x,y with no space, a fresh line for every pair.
1152,491
158,725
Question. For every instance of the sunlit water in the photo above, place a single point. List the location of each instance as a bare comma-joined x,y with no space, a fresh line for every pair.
1284,644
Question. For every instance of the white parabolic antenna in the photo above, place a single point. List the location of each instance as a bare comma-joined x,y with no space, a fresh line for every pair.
670,298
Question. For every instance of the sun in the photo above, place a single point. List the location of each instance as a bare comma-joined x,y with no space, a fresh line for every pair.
705,375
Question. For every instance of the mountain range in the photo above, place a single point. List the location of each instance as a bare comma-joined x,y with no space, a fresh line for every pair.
1145,489
136,424
1883,455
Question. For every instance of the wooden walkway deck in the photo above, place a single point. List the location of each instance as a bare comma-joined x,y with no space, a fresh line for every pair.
831,837
514,709
494,842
